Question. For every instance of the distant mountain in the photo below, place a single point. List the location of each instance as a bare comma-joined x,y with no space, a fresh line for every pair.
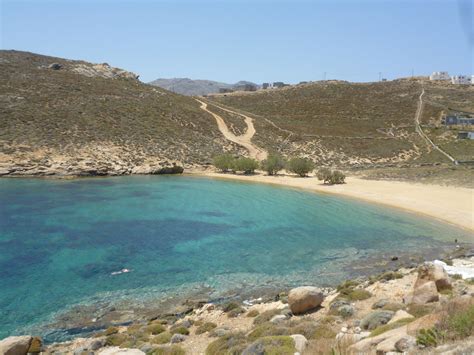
191,87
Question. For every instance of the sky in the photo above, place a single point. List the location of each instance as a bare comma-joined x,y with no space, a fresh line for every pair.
258,40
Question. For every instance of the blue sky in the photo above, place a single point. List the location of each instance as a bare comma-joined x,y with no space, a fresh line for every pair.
259,40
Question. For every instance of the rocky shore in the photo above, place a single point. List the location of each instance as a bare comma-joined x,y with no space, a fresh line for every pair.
424,309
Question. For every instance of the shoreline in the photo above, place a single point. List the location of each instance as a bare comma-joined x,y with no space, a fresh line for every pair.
452,205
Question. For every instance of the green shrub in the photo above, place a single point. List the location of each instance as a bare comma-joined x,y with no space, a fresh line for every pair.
223,162
267,329
116,339
300,166
180,330
253,313
266,316
323,332
235,312
460,322
428,337
419,310
230,306
167,350
204,328
347,284
275,345
245,165
231,344
155,329
331,177
304,327
162,338
354,294
273,164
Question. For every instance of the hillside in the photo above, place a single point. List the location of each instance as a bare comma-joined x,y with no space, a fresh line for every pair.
348,124
79,118
192,87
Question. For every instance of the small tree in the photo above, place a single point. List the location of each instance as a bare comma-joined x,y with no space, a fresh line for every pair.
273,164
246,165
300,166
324,174
337,177
223,162
331,177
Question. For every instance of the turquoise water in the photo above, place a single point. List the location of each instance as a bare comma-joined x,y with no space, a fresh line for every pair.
60,240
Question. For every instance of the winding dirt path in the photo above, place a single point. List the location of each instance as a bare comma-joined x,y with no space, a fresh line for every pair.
244,140
422,134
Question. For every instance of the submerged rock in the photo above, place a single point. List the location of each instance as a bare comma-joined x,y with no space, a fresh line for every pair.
305,298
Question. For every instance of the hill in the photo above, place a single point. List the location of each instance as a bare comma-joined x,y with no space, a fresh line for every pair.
63,116
350,124
192,87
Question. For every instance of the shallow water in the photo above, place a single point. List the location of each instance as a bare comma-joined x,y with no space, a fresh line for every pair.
60,240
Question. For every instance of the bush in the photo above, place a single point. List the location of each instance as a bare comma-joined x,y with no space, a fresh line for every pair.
180,330
273,345
246,165
386,327
230,306
300,166
111,330
162,338
233,343
168,350
460,321
331,177
204,328
324,332
273,164
253,313
428,337
116,339
267,329
266,316
155,328
223,162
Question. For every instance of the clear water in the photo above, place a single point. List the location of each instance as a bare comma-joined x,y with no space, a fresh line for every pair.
60,240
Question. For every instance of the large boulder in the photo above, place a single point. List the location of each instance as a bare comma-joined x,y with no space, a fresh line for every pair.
425,293
305,298
300,342
376,319
433,272
400,314
15,345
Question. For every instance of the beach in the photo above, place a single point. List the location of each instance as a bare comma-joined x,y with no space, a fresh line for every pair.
454,205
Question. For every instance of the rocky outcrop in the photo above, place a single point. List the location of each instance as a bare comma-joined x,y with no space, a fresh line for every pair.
15,345
300,342
116,350
103,70
305,298
376,319
433,272
400,314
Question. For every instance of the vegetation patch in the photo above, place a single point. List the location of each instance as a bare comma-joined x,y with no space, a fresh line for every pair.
267,329
229,344
323,331
206,327
253,313
167,350
386,327
162,338
273,345
266,316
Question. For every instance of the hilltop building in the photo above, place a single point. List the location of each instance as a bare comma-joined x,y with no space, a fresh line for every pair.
455,120
440,75
460,80
466,135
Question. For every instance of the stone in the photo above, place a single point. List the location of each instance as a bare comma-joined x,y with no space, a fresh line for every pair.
433,272
178,338
425,293
300,342
36,345
380,303
114,350
15,345
405,343
278,319
376,319
383,343
305,298
219,332
400,314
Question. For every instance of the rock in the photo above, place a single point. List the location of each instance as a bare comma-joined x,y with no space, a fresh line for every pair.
433,272
116,350
186,323
376,319
178,338
380,303
15,345
405,343
300,342
305,298
55,66
278,318
383,343
425,322
36,345
400,314
425,293
394,258
219,332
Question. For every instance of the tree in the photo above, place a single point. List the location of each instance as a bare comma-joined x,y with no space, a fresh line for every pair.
223,162
273,164
324,174
246,165
300,166
331,177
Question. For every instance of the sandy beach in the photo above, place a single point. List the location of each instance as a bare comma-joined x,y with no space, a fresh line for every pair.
454,205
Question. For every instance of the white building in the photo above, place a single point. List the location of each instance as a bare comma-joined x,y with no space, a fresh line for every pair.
440,75
460,80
